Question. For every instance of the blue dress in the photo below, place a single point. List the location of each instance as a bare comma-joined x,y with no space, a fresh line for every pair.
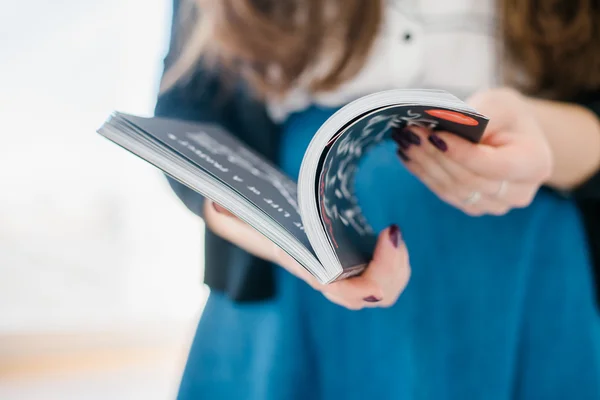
497,308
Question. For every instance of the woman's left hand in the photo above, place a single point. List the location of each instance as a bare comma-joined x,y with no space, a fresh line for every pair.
502,172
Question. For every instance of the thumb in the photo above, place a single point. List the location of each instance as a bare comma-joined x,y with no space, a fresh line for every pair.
390,265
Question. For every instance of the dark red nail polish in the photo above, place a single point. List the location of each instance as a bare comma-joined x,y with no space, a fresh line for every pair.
401,140
402,155
395,236
404,145
438,142
412,137
372,299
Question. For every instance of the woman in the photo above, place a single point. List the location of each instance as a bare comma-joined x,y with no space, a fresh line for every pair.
501,235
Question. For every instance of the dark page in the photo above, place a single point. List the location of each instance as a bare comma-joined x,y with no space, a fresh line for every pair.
351,236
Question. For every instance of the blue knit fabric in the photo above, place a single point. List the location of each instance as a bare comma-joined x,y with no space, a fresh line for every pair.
497,308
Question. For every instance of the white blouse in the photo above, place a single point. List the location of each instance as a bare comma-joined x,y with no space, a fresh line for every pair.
440,44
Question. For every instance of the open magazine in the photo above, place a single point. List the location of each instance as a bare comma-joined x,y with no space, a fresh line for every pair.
317,220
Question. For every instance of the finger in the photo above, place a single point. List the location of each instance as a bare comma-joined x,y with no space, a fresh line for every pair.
429,172
426,163
353,304
437,186
429,165
383,280
487,207
390,268
457,196
515,195
460,176
491,162
425,167
355,291
463,182
246,237
348,293
221,210
283,259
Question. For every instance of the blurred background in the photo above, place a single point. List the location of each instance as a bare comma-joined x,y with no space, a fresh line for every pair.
100,266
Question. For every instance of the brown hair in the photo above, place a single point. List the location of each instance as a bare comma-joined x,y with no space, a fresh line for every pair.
549,47
552,47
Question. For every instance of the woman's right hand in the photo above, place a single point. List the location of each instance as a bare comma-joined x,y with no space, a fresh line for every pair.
379,286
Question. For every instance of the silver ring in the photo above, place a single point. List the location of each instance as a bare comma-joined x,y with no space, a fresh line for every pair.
502,189
473,198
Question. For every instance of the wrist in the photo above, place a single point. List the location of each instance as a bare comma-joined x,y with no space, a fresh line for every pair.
573,136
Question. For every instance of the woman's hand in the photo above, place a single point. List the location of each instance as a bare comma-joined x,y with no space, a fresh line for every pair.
502,172
379,286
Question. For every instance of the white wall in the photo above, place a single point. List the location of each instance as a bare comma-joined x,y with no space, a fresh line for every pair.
90,236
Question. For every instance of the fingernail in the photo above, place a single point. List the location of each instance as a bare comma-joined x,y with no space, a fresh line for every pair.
438,142
219,209
402,155
395,236
412,137
372,299
401,140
